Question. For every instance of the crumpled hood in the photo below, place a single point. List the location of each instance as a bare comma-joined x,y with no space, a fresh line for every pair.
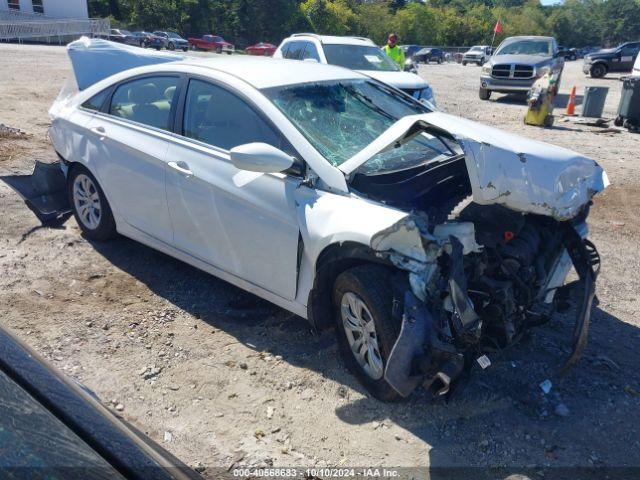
397,79
506,169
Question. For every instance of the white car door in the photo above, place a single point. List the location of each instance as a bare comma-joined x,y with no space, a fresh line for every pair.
133,142
238,221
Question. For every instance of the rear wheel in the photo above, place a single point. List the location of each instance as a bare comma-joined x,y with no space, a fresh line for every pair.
598,71
464,64
484,93
367,331
218,49
90,207
619,121
171,46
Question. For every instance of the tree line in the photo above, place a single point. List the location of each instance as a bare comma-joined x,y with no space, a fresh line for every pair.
574,23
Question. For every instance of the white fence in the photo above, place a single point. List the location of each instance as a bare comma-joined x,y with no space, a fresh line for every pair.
31,26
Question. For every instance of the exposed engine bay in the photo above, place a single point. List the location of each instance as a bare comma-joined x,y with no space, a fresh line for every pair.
479,276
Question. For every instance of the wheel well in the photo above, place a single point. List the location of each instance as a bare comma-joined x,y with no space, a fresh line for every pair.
602,64
332,261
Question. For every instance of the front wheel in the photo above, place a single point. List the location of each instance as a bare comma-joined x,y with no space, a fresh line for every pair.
464,64
90,207
598,71
484,93
218,49
171,46
439,61
367,331
619,121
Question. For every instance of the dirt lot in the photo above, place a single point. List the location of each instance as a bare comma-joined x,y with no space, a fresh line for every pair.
242,382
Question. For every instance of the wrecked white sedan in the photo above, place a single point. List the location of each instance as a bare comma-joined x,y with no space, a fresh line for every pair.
422,237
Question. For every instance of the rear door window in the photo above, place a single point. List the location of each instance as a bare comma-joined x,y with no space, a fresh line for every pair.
97,101
147,100
310,51
295,50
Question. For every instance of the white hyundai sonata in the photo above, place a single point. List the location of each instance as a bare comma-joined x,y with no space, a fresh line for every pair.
425,239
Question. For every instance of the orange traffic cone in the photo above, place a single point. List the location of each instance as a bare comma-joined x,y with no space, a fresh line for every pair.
571,104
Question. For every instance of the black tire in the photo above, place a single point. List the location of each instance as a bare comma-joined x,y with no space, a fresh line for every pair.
598,70
548,121
171,46
484,94
619,121
184,49
218,49
106,227
372,284
439,61
464,64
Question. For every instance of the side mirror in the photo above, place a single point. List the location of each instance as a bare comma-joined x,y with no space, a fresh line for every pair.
260,157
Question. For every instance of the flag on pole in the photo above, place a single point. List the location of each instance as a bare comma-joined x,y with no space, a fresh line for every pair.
498,27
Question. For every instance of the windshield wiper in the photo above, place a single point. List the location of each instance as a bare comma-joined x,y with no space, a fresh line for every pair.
367,101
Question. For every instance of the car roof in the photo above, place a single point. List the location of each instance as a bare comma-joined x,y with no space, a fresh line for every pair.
334,39
263,72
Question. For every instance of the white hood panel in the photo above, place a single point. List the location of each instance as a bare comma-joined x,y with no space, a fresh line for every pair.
506,169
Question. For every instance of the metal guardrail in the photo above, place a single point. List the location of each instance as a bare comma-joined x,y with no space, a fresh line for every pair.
24,26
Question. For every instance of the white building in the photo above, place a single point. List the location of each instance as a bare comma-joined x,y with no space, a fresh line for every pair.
49,8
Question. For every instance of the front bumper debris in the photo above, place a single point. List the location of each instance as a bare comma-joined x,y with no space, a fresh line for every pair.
420,357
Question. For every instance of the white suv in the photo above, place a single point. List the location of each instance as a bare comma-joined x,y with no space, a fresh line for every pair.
355,53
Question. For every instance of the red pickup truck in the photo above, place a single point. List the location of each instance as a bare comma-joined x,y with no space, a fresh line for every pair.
211,42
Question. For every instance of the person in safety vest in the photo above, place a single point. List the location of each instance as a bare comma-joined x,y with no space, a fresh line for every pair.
394,51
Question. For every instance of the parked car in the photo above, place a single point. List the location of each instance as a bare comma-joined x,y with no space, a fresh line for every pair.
410,50
568,53
517,63
122,36
264,49
211,42
478,54
148,40
338,198
83,438
428,55
172,41
355,53
619,59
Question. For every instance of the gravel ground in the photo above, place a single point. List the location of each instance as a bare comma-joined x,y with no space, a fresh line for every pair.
221,378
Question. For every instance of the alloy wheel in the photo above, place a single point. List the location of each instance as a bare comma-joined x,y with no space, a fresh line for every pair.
361,334
86,200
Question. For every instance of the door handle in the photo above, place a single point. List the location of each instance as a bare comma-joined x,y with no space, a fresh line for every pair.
100,131
181,167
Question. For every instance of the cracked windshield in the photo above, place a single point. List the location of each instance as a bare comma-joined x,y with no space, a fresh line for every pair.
341,118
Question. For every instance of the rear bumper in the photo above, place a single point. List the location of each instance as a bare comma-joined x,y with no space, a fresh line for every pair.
506,85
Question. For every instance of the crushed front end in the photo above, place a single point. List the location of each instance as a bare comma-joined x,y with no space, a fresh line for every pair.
494,231
477,284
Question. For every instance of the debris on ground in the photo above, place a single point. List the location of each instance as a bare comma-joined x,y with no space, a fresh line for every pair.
11,132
